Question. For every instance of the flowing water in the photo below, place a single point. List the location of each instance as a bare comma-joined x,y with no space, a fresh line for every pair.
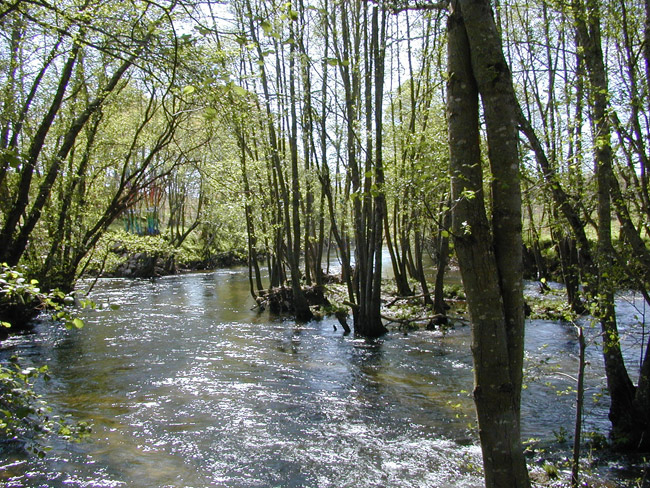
187,386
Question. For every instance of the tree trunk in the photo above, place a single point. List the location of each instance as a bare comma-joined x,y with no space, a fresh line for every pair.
289,204
489,258
18,206
368,203
630,423
399,272
442,260
14,251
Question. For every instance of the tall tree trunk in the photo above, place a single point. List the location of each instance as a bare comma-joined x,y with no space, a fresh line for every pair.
21,201
399,271
379,198
366,185
16,247
255,280
630,424
489,254
442,260
300,303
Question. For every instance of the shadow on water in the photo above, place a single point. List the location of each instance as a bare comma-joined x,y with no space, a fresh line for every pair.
187,386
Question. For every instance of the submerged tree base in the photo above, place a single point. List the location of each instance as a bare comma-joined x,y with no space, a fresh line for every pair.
280,300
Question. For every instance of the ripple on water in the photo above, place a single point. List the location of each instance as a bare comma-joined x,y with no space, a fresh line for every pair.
187,387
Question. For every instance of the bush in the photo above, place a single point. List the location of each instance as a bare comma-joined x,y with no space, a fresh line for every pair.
21,300
25,419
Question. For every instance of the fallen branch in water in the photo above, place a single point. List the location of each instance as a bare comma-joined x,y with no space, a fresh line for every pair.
409,297
413,297
438,319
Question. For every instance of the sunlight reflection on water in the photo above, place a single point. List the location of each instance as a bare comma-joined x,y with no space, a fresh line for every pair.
188,387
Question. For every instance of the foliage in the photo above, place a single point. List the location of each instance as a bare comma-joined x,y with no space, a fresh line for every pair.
21,299
25,418
551,307
132,243
454,291
596,440
204,132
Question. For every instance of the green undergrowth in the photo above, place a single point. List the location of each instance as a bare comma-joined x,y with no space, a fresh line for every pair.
552,304
21,299
26,421
404,313
115,245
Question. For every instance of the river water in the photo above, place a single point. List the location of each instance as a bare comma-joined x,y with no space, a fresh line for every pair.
187,386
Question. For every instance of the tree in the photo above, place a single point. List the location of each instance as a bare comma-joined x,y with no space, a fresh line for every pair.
600,84
361,66
49,134
489,252
630,404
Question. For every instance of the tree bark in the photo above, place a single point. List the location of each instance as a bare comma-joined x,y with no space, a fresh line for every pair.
489,254
27,172
439,305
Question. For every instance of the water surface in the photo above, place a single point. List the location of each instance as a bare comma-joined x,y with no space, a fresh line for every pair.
187,386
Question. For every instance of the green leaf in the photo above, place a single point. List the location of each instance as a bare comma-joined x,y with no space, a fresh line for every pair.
87,303
266,25
12,160
468,194
78,323
188,90
238,90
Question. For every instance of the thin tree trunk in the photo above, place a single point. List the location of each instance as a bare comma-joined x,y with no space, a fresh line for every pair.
16,248
289,204
577,434
443,258
21,201
630,425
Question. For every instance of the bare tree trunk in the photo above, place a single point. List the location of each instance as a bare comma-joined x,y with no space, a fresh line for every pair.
443,258
489,254
368,202
580,393
290,200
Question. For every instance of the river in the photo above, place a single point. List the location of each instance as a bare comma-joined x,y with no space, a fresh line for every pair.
187,386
